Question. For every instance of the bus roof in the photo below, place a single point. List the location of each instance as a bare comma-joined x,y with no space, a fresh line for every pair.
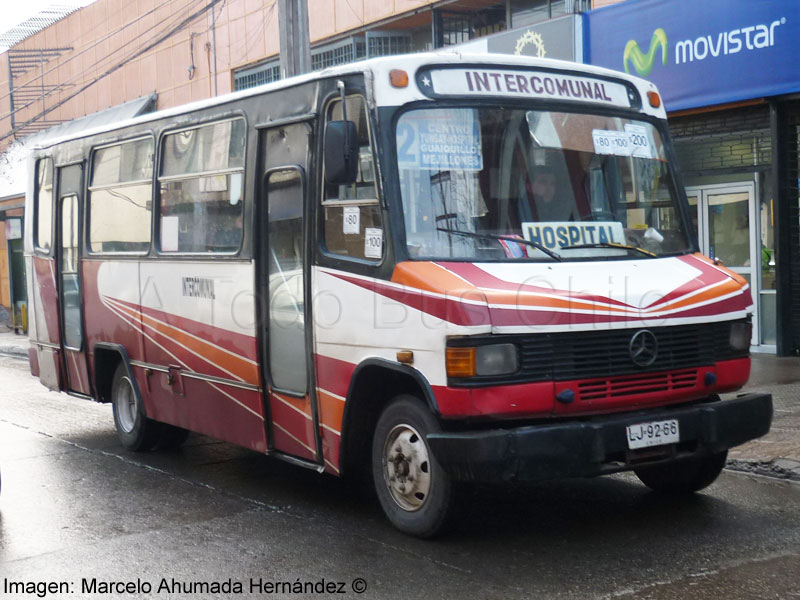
385,94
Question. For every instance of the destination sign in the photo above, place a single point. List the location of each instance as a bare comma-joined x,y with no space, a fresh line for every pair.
440,140
556,235
523,84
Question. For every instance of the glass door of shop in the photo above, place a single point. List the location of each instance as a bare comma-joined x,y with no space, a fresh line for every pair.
726,230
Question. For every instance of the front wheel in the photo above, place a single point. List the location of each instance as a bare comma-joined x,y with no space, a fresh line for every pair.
683,477
135,431
413,490
171,437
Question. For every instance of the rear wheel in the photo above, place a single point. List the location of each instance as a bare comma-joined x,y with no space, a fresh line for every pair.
413,490
136,432
683,477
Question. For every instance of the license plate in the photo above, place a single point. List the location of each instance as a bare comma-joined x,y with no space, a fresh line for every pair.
655,433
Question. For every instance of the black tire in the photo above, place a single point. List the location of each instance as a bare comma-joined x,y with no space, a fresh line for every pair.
683,477
135,431
171,437
415,493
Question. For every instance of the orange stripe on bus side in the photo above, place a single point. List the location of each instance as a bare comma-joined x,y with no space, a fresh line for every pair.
238,367
430,277
331,410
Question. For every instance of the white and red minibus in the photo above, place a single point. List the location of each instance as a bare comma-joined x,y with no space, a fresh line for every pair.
432,269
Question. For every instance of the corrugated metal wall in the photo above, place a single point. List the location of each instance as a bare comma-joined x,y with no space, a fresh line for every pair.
731,139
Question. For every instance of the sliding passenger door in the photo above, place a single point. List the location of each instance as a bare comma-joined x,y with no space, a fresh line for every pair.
68,218
286,334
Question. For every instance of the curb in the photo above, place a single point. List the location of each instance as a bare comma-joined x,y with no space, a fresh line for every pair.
13,352
778,468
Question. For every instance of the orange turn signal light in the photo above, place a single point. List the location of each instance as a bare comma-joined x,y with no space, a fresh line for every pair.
460,362
654,98
398,78
405,357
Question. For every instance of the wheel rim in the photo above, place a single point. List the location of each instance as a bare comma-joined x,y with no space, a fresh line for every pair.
406,467
125,401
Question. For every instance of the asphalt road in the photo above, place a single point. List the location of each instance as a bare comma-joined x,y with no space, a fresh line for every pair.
79,513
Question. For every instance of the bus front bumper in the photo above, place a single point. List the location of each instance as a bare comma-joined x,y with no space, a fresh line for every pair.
598,445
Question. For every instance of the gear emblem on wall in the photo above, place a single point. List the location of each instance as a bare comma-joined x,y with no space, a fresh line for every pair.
531,37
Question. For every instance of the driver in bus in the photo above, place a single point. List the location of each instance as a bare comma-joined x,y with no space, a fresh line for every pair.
544,203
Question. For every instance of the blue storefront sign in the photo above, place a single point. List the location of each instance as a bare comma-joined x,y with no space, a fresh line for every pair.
700,53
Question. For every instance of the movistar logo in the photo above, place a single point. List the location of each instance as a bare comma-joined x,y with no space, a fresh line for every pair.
644,63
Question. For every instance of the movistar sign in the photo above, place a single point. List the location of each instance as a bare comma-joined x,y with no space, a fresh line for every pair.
742,39
699,53
643,63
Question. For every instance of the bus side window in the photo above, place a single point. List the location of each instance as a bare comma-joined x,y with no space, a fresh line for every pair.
352,213
43,205
201,181
121,197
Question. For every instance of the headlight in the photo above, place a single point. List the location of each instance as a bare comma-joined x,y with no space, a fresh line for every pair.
492,359
497,359
740,336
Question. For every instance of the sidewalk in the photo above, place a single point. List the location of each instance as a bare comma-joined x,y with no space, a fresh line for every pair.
776,455
12,344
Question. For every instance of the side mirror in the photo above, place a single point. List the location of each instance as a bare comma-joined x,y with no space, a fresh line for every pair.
341,152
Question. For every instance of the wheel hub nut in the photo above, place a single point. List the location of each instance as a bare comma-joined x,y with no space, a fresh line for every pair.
406,468
401,468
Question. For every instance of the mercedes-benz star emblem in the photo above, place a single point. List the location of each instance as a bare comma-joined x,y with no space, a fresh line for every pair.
643,348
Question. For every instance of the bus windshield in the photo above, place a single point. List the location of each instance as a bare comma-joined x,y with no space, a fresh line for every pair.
496,183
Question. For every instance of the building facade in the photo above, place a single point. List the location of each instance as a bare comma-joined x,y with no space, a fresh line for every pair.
732,94
115,51
722,67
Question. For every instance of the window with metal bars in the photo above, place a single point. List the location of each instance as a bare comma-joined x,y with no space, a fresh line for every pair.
386,43
339,53
258,75
457,27
345,51
528,12
374,43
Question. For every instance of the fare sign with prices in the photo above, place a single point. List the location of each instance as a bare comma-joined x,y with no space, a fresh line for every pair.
487,81
556,235
634,141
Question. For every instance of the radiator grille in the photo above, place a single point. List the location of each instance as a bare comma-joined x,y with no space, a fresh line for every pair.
604,355
618,387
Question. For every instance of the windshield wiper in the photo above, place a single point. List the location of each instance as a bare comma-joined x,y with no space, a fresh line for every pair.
505,238
611,245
